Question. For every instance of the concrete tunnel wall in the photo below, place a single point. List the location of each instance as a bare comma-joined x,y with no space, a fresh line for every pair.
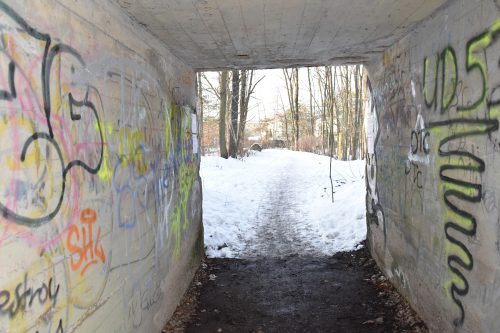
100,193
433,170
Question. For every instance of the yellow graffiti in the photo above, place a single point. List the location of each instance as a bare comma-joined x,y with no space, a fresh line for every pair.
187,176
129,149
450,73
33,158
105,173
494,111
428,102
460,169
130,143
37,167
476,46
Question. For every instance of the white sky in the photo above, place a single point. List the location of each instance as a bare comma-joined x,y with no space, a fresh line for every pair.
266,99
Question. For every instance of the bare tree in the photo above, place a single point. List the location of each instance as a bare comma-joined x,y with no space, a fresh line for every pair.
292,87
200,109
357,111
285,120
246,91
243,109
222,114
311,97
322,96
233,129
332,137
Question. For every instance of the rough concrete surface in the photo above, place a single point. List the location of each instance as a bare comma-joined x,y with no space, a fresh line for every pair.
433,166
212,34
100,196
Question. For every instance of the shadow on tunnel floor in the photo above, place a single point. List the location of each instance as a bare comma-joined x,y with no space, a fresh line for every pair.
342,293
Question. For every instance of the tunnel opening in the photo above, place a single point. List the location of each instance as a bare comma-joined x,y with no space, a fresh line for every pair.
294,183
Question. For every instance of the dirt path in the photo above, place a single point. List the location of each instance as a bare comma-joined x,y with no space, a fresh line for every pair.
343,293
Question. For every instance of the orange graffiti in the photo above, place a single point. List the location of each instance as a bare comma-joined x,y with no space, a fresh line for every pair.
81,249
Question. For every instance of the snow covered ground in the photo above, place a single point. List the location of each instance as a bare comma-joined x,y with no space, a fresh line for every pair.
278,202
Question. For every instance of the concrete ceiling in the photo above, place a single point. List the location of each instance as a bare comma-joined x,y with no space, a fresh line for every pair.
216,34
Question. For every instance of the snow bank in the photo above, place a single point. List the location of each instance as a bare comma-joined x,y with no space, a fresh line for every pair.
235,190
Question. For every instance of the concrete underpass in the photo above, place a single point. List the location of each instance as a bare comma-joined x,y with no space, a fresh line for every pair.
101,224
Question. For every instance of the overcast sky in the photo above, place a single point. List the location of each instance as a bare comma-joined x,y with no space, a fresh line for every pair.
270,92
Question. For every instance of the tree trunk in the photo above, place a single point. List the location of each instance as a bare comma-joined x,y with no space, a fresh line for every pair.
285,120
243,111
233,131
311,108
222,114
356,113
323,111
200,112
346,114
361,122
289,90
337,111
292,87
297,126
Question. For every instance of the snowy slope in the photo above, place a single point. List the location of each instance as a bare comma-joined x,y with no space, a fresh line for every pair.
236,192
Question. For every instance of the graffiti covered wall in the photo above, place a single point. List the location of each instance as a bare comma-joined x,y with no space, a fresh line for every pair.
434,163
100,197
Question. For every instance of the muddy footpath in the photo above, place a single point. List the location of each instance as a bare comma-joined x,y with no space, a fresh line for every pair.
342,293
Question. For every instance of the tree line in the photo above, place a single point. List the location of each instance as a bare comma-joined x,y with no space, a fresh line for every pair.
322,111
